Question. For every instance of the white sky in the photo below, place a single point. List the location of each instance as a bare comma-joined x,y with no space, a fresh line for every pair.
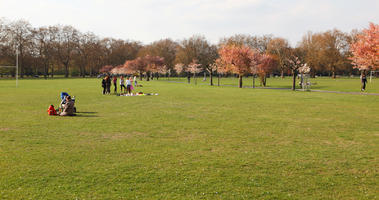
150,20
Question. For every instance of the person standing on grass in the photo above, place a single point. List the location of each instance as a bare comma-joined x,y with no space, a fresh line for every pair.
364,81
128,85
122,84
131,84
115,83
108,85
135,81
104,84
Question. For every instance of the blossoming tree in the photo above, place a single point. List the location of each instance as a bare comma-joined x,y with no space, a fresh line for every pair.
194,68
366,49
237,59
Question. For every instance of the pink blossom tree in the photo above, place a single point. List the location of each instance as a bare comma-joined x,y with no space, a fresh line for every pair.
267,64
106,69
179,68
237,59
366,49
294,64
194,68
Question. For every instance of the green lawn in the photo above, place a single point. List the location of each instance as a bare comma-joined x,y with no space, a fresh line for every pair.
189,142
324,83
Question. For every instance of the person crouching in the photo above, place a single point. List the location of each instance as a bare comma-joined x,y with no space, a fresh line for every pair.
68,107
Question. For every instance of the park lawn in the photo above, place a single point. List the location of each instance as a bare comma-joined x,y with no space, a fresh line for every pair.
342,84
189,142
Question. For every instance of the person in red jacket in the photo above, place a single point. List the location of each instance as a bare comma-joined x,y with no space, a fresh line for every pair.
51,110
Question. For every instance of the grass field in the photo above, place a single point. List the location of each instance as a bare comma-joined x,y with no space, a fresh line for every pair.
324,83
189,142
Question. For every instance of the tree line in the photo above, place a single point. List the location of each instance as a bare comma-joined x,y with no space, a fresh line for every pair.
64,50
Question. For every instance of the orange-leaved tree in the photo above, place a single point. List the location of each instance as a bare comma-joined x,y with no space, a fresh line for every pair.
237,59
267,64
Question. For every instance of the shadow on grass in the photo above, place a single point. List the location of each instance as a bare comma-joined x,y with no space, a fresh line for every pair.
86,116
87,112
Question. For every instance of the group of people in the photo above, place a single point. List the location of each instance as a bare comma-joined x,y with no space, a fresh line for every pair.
126,84
66,108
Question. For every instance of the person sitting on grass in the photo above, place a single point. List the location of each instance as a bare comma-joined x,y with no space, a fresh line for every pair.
68,107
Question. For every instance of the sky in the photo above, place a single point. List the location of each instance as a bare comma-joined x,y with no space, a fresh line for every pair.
151,20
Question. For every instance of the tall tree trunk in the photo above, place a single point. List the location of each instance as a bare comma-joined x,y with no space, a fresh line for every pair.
147,76
140,76
188,77
253,80
84,72
52,71
264,81
21,64
218,79
294,80
46,70
194,78
240,81
90,71
66,70
313,74
333,74
211,78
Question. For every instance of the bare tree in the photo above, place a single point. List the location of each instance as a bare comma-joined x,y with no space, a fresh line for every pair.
66,46
280,48
199,49
19,36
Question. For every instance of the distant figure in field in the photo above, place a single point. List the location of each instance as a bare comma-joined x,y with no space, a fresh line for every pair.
128,85
108,85
104,84
135,81
115,83
68,107
122,85
364,81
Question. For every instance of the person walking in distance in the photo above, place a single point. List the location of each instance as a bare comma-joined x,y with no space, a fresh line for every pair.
115,83
364,81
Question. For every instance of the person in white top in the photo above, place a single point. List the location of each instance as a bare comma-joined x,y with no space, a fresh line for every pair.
129,85
135,81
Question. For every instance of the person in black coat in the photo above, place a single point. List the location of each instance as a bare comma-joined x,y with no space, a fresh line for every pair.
103,84
364,82
108,85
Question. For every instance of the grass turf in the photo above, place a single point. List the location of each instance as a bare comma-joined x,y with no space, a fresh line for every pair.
343,84
189,142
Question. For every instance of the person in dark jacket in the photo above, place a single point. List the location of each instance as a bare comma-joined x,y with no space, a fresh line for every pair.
108,85
364,81
115,83
103,84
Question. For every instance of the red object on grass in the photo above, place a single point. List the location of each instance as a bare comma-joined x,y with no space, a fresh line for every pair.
51,110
